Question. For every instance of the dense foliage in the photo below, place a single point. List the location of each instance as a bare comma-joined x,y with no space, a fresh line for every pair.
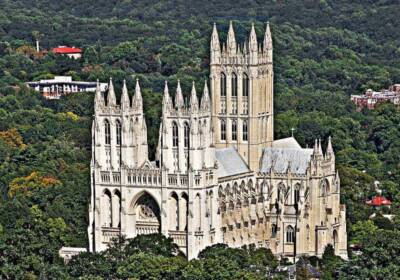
324,51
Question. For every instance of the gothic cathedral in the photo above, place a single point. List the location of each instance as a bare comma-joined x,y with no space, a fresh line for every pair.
219,176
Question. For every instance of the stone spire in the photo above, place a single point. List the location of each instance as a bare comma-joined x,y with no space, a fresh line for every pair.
125,102
315,149
166,98
111,100
253,39
194,103
214,44
231,41
179,102
329,149
267,38
137,99
205,100
99,98
319,147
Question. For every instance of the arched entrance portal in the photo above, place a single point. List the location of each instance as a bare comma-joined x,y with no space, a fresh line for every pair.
147,214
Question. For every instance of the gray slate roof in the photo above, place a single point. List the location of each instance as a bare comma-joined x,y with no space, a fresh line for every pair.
289,142
230,162
279,158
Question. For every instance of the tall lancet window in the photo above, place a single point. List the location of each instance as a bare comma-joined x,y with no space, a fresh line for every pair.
234,85
245,85
107,132
290,236
245,131
223,84
118,131
174,134
223,130
186,134
234,131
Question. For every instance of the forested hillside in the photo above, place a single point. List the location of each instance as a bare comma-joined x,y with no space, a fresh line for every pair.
324,51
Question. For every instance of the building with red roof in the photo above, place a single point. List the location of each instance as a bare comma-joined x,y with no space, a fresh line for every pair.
71,52
378,201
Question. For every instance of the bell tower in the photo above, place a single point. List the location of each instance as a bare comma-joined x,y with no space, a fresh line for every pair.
242,94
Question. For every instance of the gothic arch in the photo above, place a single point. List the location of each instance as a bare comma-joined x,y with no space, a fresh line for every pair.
173,211
250,185
280,191
147,213
335,241
107,204
324,187
183,211
236,190
228,191
116,208
175,134
107,132
197,212
223,84
290,234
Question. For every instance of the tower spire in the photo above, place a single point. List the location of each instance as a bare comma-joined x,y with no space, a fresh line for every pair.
125,102
253,39
329,148
319,147
194,103
231,41
137,100
111,100
215,46
267,38
205,100
166,98
179,102
99,98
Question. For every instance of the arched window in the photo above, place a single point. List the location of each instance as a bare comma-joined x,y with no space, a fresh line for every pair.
296,194
274,230
234,131
186,134
223,84
108,209
174,212
223,130
281,191
278,196
116,205
118,131
234,85
335,241
290,234
245,131
245,85
325,188
174,134
107,132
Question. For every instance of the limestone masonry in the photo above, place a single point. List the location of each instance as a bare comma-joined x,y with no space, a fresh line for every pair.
219,175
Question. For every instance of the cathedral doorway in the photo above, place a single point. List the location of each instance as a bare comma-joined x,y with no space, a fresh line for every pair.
147,214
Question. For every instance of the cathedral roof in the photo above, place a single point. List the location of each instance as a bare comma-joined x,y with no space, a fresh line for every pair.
289,142
280,159
230,162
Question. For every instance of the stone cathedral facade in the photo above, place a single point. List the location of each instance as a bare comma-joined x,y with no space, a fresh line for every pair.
219,175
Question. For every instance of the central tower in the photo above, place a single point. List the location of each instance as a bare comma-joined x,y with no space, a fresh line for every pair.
242,94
